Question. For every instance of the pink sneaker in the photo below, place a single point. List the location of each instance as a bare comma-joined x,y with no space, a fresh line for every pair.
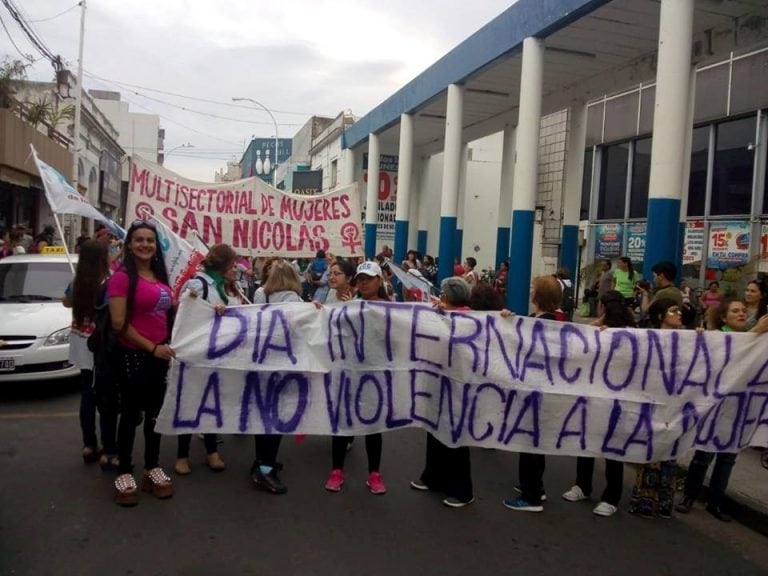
375,483
335,480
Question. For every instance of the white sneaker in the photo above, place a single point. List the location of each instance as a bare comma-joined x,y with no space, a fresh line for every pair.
604,509
575,494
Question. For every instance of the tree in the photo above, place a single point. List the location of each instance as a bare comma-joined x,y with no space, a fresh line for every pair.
39,111
11,71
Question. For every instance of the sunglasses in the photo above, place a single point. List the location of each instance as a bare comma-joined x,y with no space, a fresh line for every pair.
674,311
143,224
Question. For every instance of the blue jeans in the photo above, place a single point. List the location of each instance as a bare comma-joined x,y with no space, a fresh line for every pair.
719,479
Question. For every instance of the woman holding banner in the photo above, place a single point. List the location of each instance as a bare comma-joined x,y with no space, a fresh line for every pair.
545,297
614,314
448,469
655,485
282,285
369,280
141,308
340,275
729,316
216,284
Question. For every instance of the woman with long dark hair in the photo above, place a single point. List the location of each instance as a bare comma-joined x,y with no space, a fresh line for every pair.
340,275
654,488
756,301
141,308
83,296
614,314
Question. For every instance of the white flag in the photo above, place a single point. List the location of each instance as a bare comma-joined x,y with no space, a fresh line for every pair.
181,258
62,197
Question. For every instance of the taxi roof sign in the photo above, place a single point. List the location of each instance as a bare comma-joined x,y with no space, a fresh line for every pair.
53,250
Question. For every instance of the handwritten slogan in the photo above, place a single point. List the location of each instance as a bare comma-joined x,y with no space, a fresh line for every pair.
249,214
470,378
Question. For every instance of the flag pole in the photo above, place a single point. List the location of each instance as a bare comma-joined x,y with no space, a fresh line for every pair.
55,216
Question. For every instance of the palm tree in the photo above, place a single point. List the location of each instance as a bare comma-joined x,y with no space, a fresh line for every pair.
11,71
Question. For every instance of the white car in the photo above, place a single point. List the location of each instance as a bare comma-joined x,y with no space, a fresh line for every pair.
34,325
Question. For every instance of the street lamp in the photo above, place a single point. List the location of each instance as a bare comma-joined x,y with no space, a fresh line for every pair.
186,145
260,105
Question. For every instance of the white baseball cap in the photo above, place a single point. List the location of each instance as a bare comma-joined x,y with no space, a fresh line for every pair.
369,268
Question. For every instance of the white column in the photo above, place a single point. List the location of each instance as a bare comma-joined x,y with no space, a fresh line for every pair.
670,122
461,204
372,196
404,173
347,166
526,174
686,173
505,195
416,193
451,179
574,178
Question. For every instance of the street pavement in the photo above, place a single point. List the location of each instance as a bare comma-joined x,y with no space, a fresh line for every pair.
57,515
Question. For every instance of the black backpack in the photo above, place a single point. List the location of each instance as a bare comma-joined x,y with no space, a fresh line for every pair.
568,304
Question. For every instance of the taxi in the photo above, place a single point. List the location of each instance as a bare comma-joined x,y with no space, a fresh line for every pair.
34,324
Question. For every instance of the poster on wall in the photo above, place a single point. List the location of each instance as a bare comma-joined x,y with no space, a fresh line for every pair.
762,265
693,246
728,244
385,231
307,182
609,241
636,241
260,159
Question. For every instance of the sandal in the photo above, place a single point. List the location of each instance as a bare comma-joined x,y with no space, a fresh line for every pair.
91,455
109,463
158,483
126,493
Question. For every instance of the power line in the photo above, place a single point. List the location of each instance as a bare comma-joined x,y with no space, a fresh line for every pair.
198,99
56,16
33,37
27,57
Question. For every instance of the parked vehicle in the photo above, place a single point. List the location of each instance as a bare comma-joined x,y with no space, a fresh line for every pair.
34,325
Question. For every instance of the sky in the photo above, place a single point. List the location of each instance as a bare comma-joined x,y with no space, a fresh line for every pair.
296,57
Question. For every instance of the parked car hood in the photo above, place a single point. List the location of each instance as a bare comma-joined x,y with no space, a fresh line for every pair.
37,319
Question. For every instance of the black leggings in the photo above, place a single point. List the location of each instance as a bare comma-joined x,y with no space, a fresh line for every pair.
614,478
141,381
267,447
373,446
211,444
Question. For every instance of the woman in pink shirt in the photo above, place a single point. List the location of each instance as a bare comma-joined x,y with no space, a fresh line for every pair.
141,306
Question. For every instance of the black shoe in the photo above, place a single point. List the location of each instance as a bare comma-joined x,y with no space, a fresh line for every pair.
719,514
268,482
685,505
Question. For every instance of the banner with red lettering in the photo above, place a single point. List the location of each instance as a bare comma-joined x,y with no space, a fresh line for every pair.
250,215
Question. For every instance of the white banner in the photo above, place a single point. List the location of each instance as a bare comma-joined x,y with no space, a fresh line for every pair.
62,197
249,215
470,378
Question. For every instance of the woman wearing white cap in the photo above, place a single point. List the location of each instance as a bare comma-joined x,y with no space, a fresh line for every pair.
370,286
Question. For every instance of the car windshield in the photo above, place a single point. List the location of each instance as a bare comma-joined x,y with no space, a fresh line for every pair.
33,281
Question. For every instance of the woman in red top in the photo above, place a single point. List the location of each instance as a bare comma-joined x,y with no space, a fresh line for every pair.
140,304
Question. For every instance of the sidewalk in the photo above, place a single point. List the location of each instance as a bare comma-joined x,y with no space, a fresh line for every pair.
747,494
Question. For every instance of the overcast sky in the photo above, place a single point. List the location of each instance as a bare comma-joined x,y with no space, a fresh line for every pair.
297,57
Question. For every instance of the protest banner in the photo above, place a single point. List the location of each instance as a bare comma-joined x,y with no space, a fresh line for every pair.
470,378
249,215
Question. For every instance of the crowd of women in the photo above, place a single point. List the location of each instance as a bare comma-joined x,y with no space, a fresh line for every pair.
128,303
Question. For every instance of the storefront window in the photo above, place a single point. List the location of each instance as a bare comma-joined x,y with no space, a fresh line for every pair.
641,172
586,185
732,176
697,185
613,182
